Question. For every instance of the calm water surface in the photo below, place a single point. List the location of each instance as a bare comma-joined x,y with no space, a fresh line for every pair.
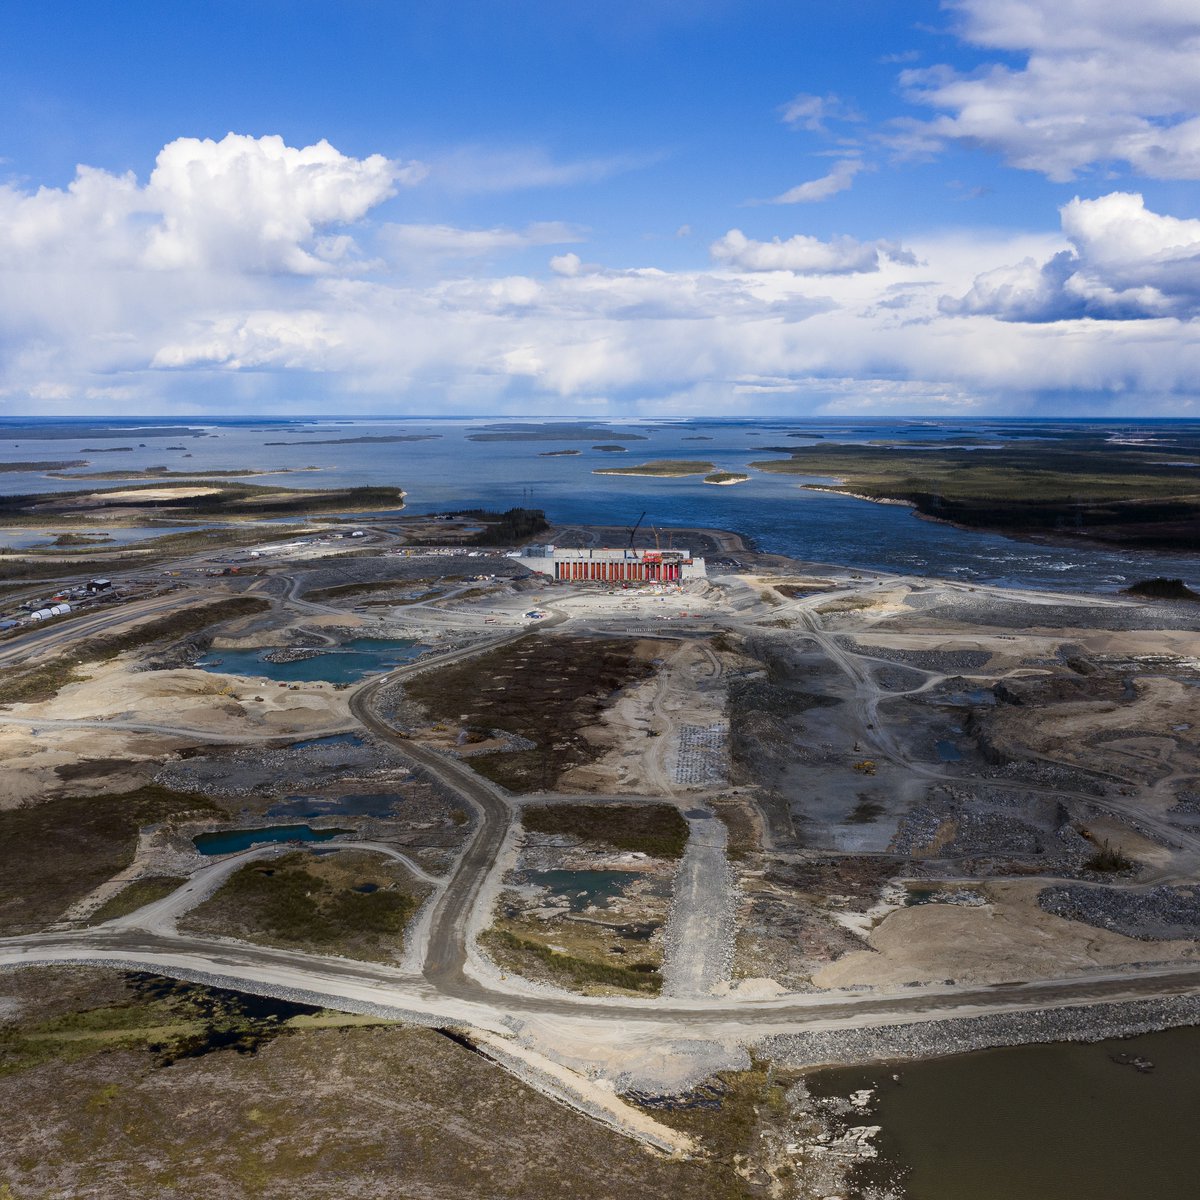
451,471
1058,1122
347,663
228,841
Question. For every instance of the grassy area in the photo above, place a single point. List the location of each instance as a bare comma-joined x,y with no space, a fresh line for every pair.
45,680
520,954
545,689
669,468
137,895
318,903
340,1112
731,1116
1074,484
658,830
172,1019
55,852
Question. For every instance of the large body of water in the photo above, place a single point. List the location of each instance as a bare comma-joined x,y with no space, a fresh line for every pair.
1057,1122
451,471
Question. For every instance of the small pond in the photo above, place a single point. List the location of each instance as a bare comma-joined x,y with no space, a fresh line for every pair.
347,663
947,751
229,841
334,739
584,888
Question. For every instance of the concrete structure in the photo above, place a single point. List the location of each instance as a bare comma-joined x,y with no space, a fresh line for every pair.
613,566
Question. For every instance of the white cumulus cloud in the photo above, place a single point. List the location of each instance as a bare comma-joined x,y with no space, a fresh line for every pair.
244,203
1125,263
1103,82
806,255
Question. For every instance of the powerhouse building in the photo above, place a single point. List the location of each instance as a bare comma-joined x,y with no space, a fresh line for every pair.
613,566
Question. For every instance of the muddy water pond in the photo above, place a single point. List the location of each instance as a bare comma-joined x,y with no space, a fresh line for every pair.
347,663
229,841
1055,1122
585,888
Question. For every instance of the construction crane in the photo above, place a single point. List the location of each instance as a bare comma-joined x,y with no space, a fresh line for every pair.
633,531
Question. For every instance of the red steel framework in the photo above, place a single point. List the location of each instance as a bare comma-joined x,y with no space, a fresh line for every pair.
619,570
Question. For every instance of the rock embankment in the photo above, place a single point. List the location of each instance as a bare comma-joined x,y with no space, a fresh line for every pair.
1162,913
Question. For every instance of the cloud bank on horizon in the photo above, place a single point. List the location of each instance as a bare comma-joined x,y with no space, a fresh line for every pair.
999,222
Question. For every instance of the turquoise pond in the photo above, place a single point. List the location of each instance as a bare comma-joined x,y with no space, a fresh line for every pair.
229,841
347,663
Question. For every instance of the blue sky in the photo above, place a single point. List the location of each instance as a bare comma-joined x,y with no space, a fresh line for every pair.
517,206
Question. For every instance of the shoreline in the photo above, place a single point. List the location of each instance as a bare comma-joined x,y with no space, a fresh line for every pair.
821,1050
1063,540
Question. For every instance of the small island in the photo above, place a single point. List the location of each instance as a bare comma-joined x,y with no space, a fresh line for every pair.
725,478
612,449
667,468
558,453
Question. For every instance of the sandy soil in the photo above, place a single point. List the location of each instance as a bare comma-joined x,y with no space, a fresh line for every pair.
1010,938
92,761
192,700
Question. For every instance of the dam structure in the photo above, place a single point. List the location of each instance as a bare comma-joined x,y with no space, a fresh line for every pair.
612,566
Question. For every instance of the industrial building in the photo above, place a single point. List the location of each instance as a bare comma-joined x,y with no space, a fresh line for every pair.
612,566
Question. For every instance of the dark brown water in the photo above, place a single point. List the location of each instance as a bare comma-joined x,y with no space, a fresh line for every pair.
1059,1122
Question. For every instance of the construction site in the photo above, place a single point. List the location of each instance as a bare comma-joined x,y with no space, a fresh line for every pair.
630,840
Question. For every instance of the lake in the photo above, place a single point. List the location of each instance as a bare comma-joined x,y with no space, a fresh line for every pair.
452,471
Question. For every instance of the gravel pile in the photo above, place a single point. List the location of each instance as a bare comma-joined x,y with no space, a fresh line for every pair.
1088,1023
1155,914
942,662
1014,614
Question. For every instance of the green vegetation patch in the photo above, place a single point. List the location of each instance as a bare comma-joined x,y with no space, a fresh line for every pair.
137,895
61,464
525,956
666,467
1076,483
545,689
314,902
658,830
172,1019
54,852
505,528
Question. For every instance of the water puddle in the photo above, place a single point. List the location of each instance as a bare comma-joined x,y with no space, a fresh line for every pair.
583,889
334,739
229,841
